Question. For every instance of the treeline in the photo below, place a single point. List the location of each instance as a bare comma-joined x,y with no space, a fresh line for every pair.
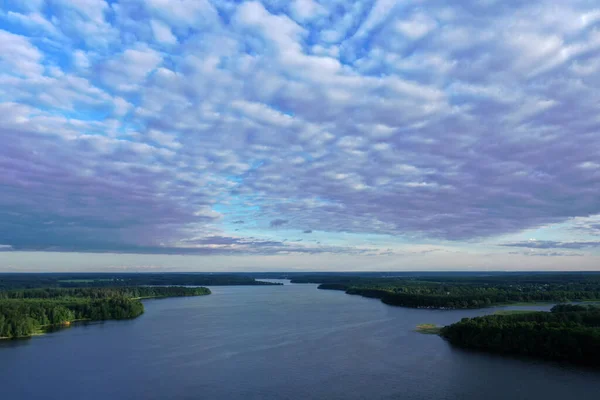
479,300
395,297
103,293
9,281
26,312
23,318
560,278
567,333
466,292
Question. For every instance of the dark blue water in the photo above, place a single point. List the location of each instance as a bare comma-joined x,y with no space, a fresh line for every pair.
284,342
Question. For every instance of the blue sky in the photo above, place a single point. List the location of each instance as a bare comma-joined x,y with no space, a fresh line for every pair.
304,135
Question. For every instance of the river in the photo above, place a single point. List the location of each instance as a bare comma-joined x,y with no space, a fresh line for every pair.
275,342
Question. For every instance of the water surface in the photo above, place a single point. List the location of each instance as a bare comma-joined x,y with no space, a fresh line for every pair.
275,342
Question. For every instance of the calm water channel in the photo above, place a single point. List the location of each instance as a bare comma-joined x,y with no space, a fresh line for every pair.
280,342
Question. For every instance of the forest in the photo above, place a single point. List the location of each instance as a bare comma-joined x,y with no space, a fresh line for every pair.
25,312
567,333
10,281
462,292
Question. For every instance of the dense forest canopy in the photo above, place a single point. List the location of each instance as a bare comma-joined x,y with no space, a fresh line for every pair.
567,333
24,312
465,291
134,292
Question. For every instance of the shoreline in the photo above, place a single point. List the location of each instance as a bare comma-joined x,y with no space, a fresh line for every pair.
50,328
428,329
45,329
378,294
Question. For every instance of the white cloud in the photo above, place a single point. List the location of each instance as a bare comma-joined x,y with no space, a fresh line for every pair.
417,26
589,165
19,56
306,9
81,59
85,20
94,10
162,32
121,106
279,29
33,21
129,68
263,113
379,12
164,139
183,12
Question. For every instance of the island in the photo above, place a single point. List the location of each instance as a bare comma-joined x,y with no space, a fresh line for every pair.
28,312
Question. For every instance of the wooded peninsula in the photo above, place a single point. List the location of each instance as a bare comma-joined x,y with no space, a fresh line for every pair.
464,292
566,333
27,312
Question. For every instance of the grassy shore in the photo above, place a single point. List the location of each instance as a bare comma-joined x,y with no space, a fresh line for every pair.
429,329
514,312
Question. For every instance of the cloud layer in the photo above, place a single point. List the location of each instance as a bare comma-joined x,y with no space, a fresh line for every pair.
154,126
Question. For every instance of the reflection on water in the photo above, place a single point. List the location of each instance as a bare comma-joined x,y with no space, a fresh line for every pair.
279,342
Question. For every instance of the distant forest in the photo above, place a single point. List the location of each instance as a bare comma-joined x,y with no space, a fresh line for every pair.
25,312
567,333
10,281
461,292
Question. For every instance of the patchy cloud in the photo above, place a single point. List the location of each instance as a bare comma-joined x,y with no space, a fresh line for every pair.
278,222
546,253
550,244
137,125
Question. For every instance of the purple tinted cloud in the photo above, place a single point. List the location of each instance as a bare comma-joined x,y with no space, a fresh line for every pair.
139,126
276,223
550,244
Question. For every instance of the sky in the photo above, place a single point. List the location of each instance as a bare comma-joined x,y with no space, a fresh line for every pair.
197,135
